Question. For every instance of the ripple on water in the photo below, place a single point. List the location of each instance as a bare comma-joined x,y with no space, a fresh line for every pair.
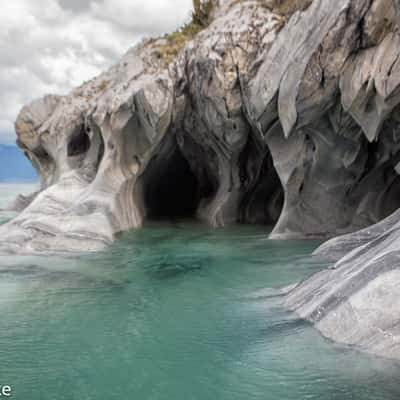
171,313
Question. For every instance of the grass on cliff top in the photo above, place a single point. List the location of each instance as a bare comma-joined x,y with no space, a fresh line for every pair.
285,8
289,7
200,19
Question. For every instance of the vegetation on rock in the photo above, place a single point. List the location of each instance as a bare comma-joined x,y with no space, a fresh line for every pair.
289,7
200,19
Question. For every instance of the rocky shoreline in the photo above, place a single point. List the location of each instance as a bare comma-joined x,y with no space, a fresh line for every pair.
264,116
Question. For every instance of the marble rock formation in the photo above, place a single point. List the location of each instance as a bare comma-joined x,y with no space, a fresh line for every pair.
151,138
279,112
275,113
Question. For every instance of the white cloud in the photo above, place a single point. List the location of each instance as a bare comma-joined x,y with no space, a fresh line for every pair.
53,45
151,16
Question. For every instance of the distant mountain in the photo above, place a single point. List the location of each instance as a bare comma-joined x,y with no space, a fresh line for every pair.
14,166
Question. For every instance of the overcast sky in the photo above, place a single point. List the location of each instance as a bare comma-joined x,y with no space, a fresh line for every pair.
49,46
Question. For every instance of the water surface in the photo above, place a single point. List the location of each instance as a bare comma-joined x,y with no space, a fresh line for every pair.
174,311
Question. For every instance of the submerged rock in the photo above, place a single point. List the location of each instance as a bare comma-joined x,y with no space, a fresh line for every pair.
277,112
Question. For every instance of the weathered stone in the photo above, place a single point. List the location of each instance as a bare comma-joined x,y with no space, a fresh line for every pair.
286,118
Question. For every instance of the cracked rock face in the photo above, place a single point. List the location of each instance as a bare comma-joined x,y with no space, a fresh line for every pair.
266,118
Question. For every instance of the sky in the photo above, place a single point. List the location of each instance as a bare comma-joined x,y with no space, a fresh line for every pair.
50,46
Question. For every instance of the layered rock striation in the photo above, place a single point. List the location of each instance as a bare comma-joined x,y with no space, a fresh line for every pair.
269,115
277,112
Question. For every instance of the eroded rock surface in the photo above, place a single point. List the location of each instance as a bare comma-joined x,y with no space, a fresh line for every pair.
356,301
290,118
150,138
268,117
324,100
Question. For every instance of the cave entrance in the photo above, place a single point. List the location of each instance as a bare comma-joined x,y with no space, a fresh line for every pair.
171,189
79,143
263,197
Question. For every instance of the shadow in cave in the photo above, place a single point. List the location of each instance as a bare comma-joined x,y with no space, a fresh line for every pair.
171,189
79,143
264,195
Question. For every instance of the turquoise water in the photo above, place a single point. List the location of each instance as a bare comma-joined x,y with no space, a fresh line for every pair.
174,312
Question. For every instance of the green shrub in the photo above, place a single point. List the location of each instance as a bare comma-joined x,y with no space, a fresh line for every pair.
200,18
202,10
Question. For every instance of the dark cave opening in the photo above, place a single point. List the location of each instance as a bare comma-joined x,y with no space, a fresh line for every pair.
175,188
264,196
79,143
171,189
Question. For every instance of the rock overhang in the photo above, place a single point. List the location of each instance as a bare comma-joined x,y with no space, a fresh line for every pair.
285,119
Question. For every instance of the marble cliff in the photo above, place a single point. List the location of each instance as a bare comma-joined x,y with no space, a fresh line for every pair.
283,112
